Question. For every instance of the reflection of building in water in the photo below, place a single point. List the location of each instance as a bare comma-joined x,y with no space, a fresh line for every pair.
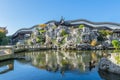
6,66
60,60
108,76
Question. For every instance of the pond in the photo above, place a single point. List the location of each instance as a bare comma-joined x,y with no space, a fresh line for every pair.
55,65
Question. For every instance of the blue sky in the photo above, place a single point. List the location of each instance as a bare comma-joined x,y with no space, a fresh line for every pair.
16,14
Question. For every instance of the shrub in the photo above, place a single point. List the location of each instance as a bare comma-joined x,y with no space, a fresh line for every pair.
105,32
42,31
81,26
63,33
93,43
42,25
116,44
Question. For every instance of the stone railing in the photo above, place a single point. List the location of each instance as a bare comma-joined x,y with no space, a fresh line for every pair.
20,48
6,50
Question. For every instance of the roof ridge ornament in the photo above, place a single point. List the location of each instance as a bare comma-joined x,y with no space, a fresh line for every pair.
62,20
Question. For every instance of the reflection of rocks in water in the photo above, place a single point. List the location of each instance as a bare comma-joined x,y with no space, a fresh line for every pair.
93,61
54,68
91,65
6,66
3,63
64,61
108,76
23,61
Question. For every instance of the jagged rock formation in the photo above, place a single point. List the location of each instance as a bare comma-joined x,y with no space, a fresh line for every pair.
78,34
111,63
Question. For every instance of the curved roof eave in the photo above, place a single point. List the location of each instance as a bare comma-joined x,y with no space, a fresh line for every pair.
24,29
96,24
78,21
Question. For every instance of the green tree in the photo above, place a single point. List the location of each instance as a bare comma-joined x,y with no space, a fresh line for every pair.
116,44
2,35
5,41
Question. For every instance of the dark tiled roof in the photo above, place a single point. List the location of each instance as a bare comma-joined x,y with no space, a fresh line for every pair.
116,30
73,23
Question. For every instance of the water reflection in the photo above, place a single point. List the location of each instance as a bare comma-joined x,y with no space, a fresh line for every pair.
63,61
108,75
6,66
80,62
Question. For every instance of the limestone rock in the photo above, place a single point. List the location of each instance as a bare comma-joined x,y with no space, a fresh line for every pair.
109,64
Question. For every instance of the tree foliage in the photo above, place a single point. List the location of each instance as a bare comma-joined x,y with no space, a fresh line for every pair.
2,35
81,26
105,32
42,30
116,44
63,33
5,41
93,43
42,25
117,58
